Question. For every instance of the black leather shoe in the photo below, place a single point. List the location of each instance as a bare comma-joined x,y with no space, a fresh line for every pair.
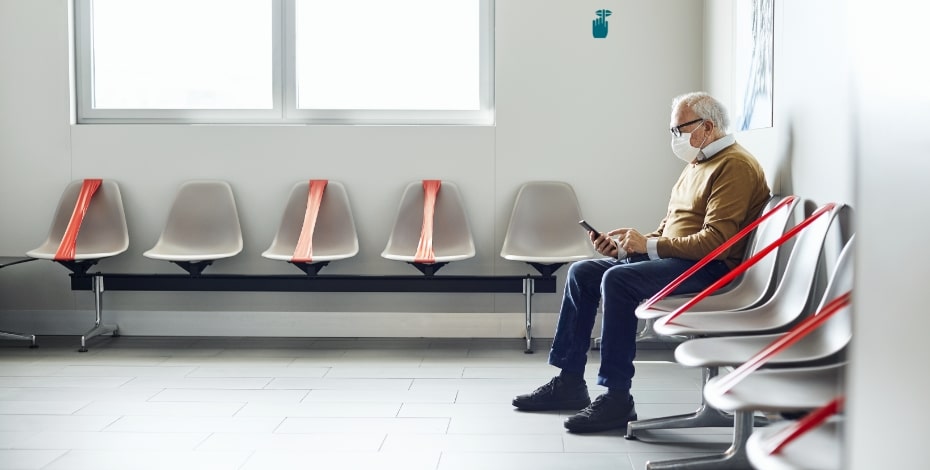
606,413
555,395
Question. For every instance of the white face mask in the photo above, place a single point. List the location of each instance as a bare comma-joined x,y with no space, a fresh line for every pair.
682,148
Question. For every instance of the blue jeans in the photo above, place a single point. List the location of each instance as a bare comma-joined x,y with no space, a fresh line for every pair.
623,285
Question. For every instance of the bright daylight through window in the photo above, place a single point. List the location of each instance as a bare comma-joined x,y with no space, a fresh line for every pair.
284,61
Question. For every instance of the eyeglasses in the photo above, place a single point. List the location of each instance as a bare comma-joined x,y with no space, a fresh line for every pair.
676,131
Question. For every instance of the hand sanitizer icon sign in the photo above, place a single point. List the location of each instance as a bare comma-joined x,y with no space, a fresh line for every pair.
599,24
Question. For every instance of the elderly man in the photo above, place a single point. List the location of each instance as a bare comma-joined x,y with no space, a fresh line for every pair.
720,191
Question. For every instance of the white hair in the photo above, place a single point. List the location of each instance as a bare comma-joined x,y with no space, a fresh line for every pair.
706,107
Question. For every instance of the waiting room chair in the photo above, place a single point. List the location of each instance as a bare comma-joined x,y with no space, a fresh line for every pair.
748,290
202,226
101,233
794,298
814,442
329,226
434,220
89,225
823,341
821,344
543,229
748,390
783,390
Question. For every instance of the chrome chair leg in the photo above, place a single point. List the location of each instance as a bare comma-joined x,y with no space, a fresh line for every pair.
14,335
528,287
734,458
704,417
99,328
648,334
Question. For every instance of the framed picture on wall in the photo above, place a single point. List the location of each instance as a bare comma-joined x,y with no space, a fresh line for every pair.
753,80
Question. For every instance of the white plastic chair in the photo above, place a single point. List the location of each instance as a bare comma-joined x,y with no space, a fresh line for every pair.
822,343
103,232
750,289
334,235
755,285
452,237
820,448
768,390
543,229
202,226
794,389
794,298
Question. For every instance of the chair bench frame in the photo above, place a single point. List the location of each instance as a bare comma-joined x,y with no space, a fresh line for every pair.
99,282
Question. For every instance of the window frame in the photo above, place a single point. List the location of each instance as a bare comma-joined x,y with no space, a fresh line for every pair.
284,84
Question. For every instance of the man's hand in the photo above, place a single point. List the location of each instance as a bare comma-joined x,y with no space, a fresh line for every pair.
630,240
603,244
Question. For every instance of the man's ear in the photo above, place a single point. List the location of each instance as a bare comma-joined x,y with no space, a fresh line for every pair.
713,127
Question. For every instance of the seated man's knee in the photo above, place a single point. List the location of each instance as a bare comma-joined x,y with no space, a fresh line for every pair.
581,268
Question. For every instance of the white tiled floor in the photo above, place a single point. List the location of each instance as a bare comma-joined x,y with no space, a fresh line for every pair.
282,403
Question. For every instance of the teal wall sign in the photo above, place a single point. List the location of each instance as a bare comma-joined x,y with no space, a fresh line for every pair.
599,25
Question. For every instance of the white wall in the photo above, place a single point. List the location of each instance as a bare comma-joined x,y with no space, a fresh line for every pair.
888,383
851,107
569,107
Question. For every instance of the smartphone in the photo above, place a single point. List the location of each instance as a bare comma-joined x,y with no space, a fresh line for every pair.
588,226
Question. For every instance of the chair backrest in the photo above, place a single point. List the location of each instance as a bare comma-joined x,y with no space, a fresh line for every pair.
103,231
203,224
797,290
834,335
334,236
452,237
543,225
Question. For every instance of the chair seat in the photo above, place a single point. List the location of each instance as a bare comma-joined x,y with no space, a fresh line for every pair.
735,350
721,323
818,449
203,224
439,258
548,259
82,253
775,390
180,252
334,235
103,231
712,303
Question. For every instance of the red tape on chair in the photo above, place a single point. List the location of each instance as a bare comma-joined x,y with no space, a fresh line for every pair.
793,335
303,252
425,246
742,267
713,254
68,246
775,443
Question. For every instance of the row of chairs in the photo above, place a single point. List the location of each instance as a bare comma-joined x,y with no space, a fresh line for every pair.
782,330
431,227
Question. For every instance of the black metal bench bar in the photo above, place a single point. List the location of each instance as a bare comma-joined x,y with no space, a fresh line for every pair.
99,282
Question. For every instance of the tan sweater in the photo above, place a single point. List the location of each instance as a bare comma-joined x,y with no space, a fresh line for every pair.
712,201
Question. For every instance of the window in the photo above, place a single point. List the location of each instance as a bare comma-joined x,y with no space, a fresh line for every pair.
284,61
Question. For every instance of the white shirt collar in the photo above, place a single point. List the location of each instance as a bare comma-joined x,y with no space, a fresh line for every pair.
716,146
